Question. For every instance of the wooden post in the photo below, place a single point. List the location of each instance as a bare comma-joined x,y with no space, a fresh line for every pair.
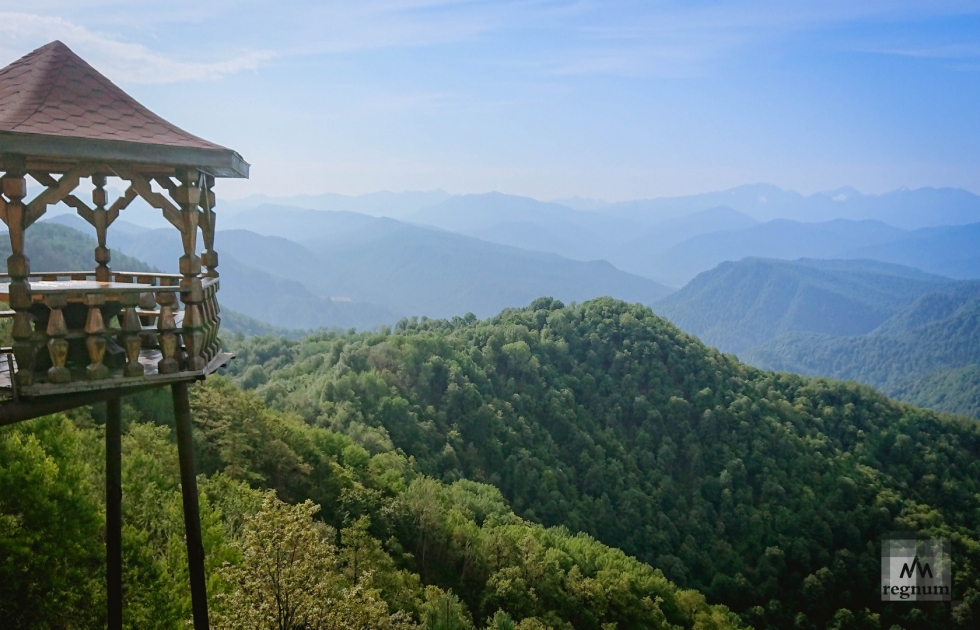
192,516
14,187
100,218
209,258
188,195
113,512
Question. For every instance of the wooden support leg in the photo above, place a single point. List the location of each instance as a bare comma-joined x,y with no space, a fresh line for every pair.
192,516
113,512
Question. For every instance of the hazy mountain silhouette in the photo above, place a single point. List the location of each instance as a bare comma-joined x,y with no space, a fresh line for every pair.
382,203
904,208
739,305
780,238
383,270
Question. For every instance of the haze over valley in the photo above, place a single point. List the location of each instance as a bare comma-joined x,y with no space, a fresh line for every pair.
784,281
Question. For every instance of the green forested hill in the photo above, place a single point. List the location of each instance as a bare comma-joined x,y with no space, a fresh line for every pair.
739,305
768,492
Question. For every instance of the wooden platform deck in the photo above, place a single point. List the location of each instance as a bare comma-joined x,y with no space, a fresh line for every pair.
116,380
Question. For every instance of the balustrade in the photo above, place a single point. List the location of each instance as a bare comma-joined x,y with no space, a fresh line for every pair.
136,325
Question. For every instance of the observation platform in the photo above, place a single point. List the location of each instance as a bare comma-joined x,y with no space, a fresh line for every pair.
80,337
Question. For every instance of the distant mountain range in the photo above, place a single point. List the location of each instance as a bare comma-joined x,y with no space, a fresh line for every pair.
350,270
671,240
668,240
903,208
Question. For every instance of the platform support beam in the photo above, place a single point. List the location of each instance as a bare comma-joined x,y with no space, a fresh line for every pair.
192,516
113,512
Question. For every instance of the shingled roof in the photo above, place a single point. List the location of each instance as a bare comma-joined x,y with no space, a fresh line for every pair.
54,104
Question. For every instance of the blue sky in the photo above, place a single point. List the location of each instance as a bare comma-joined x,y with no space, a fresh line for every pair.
611,100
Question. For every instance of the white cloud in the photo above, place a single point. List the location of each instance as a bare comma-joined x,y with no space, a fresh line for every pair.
121,61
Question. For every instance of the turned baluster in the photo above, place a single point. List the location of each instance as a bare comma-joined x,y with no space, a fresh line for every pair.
166,327
95,341
57,344
215,343
192,334
148,303
210,324
130,336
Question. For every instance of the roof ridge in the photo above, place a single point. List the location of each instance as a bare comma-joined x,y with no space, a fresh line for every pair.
33,102
56,47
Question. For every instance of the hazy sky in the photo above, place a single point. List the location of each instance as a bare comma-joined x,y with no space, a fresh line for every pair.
612,100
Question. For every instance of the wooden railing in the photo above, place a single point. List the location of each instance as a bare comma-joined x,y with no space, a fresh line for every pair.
138,324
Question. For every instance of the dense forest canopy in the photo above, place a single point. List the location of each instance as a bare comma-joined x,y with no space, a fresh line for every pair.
370,542
768,492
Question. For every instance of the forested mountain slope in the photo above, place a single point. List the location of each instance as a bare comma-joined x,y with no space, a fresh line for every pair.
739,305
769,492
937,334
390,549
956,390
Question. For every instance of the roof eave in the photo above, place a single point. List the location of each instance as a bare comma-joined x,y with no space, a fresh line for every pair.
217,162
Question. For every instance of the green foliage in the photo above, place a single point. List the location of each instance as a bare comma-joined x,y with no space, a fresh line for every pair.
444,611
50,553
289,578
767,492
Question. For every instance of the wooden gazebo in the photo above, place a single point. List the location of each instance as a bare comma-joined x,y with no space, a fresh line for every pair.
81,337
